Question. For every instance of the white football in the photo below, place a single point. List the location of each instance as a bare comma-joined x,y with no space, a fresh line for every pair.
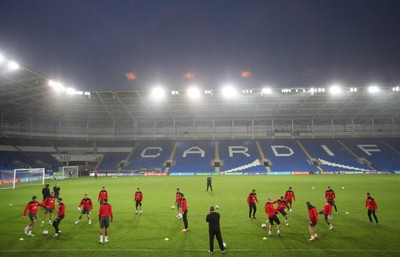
224,244
45,232
263,225
216,206
172,207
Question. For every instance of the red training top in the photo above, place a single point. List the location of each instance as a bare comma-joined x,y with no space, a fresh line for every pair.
270,209
289,195
87,204
106,211
313,214
252,198
33,207
50,202
184,205
178,197
370,203
327,208
138,196
61,209
330,194
102,195
282,204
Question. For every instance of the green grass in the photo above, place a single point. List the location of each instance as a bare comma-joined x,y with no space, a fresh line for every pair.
135,235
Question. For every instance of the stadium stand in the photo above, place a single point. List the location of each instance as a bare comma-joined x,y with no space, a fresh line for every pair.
149,155
249,156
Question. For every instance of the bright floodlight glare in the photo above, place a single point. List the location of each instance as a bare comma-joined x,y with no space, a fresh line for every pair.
193,92
13,65
229,91
59,87
70,91
52,83
373,89
335,89
56,85
158,93
266,91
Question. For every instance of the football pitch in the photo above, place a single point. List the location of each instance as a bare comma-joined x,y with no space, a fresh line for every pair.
146,234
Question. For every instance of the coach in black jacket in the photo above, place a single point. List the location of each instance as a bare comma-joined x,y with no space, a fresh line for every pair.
214,230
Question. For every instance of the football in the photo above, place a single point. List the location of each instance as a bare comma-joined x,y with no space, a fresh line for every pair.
172,207
224,244
216,207
45,232
263,225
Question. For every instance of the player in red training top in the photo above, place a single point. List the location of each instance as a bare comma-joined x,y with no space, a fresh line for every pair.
50,203
251,201
330,194
282,205
184,211
370,203
60,216
103,194
138,200
32,207
87,204
289,197
313,216
272,212
327,211
178,202
105,214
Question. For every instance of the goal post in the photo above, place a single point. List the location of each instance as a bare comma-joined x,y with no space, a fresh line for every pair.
66,172
23,177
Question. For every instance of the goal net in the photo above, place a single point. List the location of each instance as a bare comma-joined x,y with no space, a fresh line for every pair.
66,172
22,177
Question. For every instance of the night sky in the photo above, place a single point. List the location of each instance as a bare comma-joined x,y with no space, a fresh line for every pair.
94,44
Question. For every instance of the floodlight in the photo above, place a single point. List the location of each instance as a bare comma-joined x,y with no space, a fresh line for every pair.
174,92
229,91
86,93
13,65
335,89
52,83
158,93
373,89
193,92
353,89
58,86
266,91
396,89
70,91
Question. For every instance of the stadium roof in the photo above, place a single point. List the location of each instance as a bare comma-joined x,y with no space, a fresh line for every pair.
27,100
